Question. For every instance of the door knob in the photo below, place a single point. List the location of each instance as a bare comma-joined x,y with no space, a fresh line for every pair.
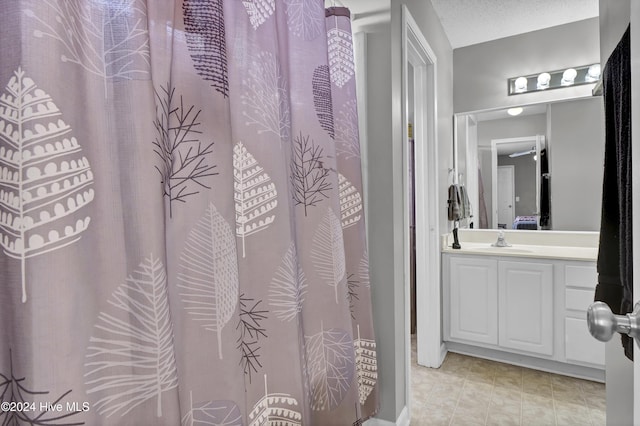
603,324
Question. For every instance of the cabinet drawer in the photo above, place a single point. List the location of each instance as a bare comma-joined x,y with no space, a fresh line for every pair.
581,276
578,299
580,345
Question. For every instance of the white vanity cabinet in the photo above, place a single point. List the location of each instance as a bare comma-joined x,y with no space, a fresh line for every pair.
504,303
526,310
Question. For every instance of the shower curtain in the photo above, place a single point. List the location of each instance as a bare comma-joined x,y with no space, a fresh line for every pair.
181,216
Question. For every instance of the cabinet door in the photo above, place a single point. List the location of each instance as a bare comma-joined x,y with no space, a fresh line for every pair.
526,306
474,299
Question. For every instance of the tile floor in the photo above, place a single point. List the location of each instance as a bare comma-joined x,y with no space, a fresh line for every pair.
475,391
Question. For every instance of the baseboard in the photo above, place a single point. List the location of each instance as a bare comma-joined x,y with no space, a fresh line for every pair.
551,366
402,420
443,352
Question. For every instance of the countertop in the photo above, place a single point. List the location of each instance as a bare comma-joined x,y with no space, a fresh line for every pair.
581,246
589,254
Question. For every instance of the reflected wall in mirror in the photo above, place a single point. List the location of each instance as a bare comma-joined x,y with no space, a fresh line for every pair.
541,169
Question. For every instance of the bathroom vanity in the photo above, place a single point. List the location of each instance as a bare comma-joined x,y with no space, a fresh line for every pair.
524,304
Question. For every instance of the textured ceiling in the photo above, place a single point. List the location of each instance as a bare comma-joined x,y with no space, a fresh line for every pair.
469,22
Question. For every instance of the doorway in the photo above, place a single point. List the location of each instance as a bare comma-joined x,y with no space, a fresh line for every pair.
515,193
506,195
420,194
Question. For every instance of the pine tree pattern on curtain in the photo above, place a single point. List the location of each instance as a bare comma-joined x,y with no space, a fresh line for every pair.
181,215
107,39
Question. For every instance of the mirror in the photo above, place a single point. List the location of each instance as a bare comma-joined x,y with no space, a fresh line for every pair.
541,169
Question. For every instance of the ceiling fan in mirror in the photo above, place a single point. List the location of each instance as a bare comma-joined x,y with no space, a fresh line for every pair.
521,153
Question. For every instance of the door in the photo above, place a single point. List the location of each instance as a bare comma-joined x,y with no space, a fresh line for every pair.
506,196
622,376
635,147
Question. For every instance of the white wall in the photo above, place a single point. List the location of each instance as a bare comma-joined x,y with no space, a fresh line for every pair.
481,71
386,298
614,19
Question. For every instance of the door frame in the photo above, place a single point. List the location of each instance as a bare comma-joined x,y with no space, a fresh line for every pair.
513,192
417,53
635,182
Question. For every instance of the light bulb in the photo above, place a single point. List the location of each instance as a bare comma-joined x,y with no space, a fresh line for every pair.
568,77
593,74
521,85
543,80
514,111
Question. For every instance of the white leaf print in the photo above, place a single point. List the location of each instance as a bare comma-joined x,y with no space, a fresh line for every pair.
259,11
350,202
346,127
305,18
44,182
341,63
275,409
327,253
366,366
363,270
130,358
255,195
330,358
214,413
107,38
288,287
209,277
266,100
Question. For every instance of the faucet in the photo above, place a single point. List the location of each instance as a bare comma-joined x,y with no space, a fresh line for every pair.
501,241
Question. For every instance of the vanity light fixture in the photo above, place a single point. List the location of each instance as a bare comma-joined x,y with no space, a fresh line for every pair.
514,111
574,76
